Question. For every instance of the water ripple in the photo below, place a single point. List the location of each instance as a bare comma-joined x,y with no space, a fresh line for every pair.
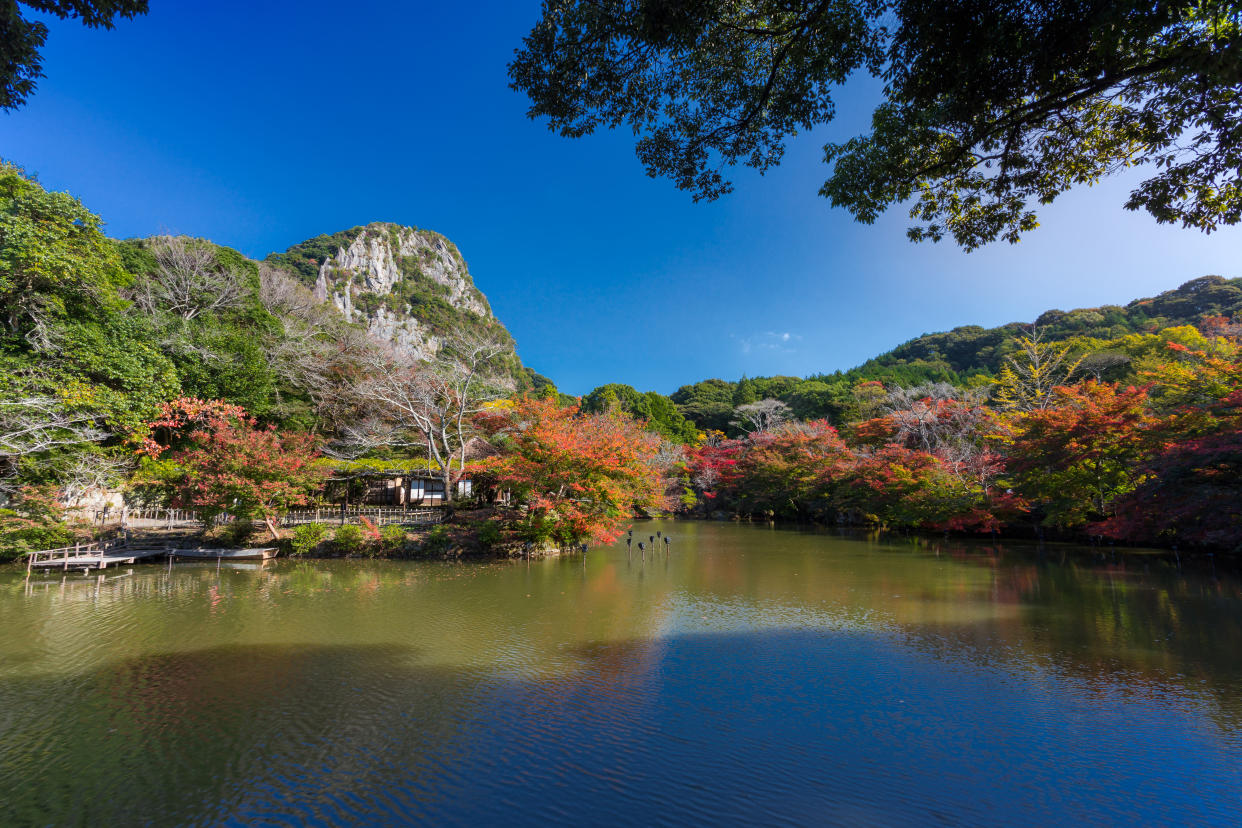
753,677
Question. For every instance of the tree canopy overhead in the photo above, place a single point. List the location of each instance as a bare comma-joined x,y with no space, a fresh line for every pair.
991,107
21,65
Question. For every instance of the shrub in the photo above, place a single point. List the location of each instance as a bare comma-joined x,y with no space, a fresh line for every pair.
369,529
236,533
20,534
348,539
489,533
437,541
392,539
307,537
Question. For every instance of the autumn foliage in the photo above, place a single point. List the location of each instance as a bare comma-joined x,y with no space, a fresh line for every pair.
1191,488
577,477
806,471
1078,456
1160,462
212,457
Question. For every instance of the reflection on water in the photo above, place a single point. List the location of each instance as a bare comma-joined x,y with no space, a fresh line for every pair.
752,675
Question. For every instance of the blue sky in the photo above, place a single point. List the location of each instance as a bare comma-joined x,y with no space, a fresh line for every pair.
258,125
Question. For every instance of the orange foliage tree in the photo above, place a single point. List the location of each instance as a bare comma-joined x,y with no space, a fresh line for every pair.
1192,487
1076,457
578,476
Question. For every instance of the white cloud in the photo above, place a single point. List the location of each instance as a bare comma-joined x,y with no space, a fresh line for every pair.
768,342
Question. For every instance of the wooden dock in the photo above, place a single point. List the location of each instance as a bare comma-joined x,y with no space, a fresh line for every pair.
91,556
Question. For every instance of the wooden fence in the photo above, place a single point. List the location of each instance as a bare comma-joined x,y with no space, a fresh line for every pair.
181,518
378,515
154,518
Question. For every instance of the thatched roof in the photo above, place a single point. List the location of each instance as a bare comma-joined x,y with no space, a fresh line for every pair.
479,449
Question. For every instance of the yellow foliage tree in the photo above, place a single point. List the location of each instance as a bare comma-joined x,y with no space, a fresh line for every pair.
1030,377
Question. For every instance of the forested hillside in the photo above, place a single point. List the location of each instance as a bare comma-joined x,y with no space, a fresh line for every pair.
971,350
97,334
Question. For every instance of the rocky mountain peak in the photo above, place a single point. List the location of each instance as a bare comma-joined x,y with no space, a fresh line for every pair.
409,287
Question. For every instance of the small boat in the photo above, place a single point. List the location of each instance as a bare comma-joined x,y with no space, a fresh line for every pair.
253,554
216,564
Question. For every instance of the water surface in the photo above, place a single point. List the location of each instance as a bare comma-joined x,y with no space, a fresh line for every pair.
752,675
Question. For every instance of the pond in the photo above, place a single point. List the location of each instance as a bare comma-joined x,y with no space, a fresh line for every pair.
751,675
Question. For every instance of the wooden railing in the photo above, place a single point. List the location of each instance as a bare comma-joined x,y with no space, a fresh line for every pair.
69,554
98,555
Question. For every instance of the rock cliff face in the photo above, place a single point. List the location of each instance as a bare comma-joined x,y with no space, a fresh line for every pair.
408,287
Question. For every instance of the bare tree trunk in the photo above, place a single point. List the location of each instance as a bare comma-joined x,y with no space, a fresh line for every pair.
446,475
271,526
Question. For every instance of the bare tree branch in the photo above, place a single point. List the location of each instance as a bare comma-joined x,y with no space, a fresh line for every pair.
317,351
436,401
33,424
763,415
188,280
92,471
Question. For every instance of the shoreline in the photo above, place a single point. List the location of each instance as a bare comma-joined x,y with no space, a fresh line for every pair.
454,541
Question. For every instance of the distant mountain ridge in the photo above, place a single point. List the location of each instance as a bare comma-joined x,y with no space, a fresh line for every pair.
965,356
975,349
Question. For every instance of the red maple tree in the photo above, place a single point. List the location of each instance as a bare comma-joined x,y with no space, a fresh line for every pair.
221,460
